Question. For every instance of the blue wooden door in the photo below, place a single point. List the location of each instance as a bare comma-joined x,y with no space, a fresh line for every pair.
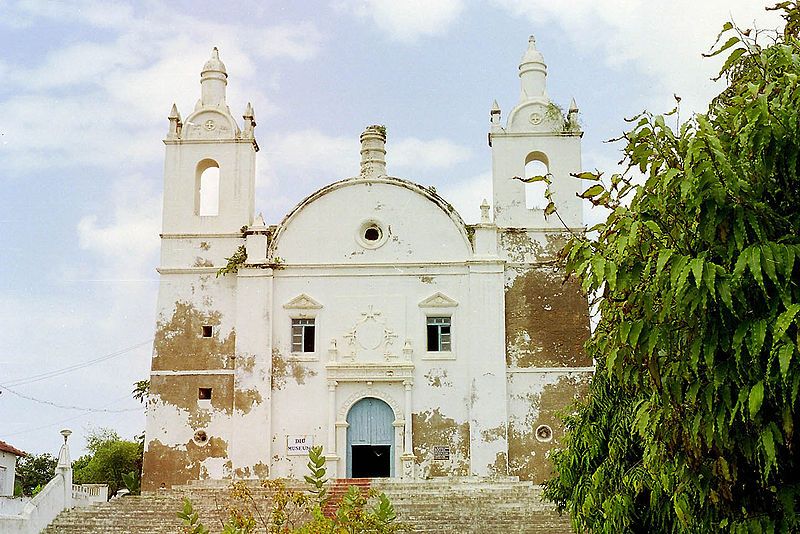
370,423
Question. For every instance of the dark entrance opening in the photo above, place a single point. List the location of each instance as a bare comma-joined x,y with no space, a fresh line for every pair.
370,461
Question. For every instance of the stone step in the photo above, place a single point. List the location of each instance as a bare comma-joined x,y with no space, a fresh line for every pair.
439,505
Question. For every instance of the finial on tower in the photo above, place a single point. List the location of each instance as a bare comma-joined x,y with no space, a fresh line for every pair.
249,120
485,212
494,113
373,151
213,80
573,106
215,64
175,123
533,73
572,116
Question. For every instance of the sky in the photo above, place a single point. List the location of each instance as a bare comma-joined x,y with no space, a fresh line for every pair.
86,87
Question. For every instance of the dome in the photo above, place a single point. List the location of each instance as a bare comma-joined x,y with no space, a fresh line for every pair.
214,64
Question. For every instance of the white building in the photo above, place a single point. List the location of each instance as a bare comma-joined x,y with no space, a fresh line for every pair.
370,320
8,468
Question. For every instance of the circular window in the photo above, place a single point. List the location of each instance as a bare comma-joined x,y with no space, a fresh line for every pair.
371,234
200,437
544,433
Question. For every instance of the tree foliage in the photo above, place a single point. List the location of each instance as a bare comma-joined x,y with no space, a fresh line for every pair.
689,421
35,470
111,460
300,512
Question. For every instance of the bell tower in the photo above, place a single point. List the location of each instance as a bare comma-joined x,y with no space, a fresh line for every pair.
539,139
209,173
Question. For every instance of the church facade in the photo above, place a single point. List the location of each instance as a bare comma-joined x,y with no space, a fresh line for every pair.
370,320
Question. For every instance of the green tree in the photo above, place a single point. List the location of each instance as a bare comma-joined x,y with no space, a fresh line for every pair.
110,460
688,425
35,470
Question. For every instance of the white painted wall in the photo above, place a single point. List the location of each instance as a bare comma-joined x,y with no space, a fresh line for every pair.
8,463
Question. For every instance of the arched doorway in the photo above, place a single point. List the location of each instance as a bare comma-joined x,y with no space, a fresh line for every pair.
370,439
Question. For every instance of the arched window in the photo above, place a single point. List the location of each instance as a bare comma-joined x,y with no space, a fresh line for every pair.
535,165
207,189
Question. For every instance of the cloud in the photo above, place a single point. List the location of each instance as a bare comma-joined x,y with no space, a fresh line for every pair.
664,42
310,156
124,237
110,92
302,161
408,20
422,154
467,195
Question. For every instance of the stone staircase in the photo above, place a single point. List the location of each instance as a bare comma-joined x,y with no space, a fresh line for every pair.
473,506
337,490
457,505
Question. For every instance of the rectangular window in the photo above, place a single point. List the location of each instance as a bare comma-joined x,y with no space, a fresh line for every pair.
208,330
302,335
204,393
439,335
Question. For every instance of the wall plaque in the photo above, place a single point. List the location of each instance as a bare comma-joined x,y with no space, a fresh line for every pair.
441,453
299,445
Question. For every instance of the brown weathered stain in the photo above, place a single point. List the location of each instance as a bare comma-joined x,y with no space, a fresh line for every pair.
283,368
430,429
438,378
493,434
242,472
500,465
547,321
520,247
204,245
518,244
261,470
527,456
246,399
179,343
177,465
182,392
426,279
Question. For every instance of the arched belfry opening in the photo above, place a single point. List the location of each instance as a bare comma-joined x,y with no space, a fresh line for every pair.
207,188
370,439
536,164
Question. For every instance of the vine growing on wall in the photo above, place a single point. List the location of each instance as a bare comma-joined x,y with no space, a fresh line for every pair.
234,262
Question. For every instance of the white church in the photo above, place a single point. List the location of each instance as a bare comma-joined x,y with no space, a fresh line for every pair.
370,319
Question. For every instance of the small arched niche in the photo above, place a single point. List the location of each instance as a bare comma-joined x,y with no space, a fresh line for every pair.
206,195
536,164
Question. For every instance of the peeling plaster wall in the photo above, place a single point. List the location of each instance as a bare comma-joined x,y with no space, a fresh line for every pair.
509,314
184,361
534,399
300,381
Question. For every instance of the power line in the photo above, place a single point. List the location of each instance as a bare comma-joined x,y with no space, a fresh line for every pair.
59,422
74,367
64,406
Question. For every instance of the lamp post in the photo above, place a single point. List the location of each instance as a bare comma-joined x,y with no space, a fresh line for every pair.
64,468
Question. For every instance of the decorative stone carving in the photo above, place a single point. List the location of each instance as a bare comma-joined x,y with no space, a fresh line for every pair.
438,300
345,406
302,302
370,333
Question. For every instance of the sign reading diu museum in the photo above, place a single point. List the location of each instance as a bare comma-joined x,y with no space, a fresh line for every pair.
299,445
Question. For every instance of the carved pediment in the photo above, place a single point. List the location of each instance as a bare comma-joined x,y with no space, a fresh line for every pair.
438,300
370,338
302,302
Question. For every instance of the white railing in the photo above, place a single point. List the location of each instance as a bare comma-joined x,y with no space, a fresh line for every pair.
39,511
87,494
